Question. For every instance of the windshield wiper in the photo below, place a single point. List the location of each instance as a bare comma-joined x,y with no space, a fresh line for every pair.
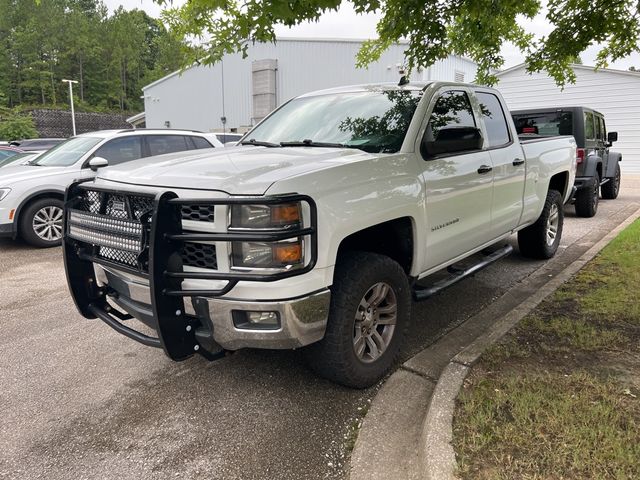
260,143
310,143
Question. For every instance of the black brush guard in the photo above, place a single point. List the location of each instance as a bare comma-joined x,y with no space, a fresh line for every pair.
162,231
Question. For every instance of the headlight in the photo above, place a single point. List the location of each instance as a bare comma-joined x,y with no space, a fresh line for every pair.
266,217
283,254
4,192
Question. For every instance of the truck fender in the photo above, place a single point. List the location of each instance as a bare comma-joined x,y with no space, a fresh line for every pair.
612,160
591,165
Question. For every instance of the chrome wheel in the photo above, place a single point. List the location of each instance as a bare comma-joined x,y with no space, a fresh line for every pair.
552,224
375,322
47,223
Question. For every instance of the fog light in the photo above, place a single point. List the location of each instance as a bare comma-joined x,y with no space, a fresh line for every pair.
256,320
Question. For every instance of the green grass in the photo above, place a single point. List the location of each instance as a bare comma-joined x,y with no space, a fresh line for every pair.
544,425
545,403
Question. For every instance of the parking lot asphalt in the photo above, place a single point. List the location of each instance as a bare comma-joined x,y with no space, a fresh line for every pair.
80,401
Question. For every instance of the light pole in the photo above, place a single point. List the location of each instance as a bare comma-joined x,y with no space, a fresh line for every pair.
73,113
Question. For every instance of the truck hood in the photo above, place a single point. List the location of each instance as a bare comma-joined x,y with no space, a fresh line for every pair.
12,174
246,170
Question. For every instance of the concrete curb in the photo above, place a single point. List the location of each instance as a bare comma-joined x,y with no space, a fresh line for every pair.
435,449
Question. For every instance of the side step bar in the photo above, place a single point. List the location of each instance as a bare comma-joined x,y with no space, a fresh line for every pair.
457,274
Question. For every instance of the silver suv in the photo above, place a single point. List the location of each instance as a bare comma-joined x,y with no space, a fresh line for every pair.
31,196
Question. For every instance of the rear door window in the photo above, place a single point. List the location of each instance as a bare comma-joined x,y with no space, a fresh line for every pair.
161,144
120,150
589,128
201,142
546,124
494,119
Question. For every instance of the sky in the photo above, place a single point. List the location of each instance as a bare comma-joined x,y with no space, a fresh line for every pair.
347,24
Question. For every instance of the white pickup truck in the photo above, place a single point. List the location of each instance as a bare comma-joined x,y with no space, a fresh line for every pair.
319,228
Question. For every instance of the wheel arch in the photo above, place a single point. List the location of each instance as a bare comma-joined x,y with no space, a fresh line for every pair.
393,238
612,161
29,200
560,183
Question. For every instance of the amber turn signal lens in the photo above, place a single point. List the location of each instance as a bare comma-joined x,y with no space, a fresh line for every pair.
284,214
287,253
12,213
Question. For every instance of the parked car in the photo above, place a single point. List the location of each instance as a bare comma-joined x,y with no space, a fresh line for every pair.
38,144
316,233
22,158
7,152
598,167
31,196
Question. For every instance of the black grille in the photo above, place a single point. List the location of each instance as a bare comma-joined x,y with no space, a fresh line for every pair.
199,213
118,256
199,255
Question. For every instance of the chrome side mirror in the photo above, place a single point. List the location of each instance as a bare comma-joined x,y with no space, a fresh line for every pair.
98,162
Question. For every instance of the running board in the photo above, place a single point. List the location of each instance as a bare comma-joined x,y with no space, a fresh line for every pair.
457,274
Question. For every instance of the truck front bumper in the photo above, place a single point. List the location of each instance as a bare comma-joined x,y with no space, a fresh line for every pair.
301,321
129,263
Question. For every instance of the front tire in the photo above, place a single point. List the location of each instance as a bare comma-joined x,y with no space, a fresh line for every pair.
611,189
368,321
587,199
541,240
41,223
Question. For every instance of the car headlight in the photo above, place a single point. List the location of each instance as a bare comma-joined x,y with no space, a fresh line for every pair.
4,192
266,217
282,254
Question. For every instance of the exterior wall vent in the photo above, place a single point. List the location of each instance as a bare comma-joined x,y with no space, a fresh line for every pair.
263,83
459,76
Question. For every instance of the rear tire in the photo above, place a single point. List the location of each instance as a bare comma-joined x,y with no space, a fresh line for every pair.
611,189
368,321
587,198
41,223
541,240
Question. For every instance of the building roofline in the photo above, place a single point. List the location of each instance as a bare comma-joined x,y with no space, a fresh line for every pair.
330,39
295,39
579,67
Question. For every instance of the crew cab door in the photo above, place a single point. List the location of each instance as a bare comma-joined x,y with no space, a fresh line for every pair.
458,178
508,160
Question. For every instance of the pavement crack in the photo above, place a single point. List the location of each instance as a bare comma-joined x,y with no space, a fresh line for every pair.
419,373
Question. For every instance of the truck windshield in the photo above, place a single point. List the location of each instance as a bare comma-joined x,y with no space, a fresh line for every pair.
546,124
373,121
67,153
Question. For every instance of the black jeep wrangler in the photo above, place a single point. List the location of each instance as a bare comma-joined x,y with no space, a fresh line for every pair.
598,168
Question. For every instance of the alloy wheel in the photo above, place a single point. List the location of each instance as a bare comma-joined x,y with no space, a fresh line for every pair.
47,223
375,322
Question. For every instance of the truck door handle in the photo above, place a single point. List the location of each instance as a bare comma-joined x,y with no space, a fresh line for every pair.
485,169
518,161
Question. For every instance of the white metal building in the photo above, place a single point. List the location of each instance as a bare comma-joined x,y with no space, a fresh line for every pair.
245,90
615,93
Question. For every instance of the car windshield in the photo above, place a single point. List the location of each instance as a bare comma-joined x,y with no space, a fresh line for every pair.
68,152
545,124
373,121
